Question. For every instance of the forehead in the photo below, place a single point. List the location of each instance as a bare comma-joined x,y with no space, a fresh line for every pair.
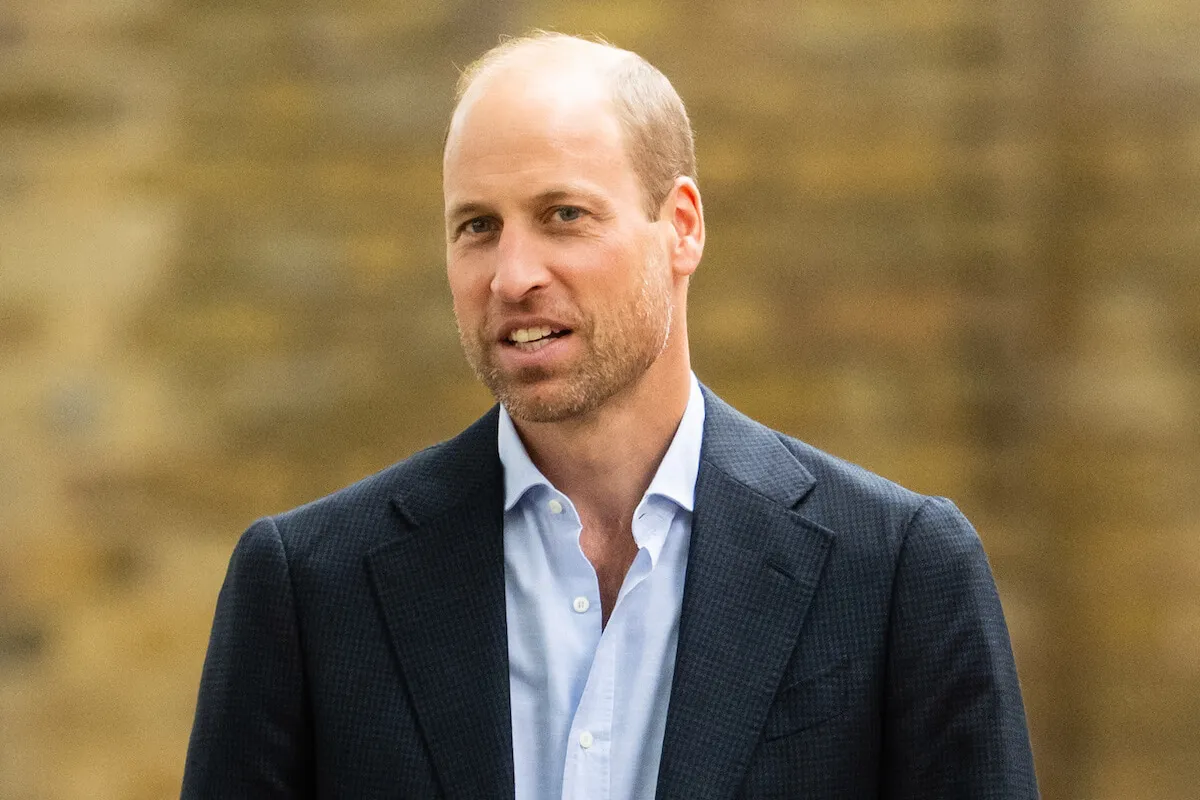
521,128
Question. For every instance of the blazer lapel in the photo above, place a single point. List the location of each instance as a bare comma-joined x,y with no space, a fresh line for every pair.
752,568
440,586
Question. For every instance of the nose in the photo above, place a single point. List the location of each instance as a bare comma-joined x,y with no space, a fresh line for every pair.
520,266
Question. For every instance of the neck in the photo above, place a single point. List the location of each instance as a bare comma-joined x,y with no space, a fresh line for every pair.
605,461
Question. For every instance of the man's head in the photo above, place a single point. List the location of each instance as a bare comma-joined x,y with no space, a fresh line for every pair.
573,221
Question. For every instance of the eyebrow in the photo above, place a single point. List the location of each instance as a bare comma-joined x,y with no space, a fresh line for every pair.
559,194
467,210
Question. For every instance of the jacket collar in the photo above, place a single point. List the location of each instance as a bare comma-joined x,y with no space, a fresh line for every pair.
753,566
447,565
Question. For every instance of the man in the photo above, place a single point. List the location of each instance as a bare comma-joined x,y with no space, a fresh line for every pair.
612,585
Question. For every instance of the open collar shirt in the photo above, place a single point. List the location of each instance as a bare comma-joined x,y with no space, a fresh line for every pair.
589,704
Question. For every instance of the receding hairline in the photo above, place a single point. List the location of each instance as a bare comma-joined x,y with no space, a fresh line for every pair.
512,48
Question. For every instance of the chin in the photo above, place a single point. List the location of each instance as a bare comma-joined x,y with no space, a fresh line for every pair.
541,404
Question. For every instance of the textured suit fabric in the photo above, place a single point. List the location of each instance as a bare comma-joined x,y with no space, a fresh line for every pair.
841,637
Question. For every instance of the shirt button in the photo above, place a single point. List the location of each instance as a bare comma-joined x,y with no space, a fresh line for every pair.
581,604
586,739
555,507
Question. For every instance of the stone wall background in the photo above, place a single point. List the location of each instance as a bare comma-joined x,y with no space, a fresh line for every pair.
953,240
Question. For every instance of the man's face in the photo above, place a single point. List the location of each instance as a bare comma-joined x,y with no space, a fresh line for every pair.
561,285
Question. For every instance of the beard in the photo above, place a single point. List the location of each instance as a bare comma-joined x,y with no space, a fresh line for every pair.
621,343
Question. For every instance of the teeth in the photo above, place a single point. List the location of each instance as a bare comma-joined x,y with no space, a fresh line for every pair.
528,334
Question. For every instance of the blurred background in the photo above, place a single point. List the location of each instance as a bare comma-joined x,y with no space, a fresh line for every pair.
956,241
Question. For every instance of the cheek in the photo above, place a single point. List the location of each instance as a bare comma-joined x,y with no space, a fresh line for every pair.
469,285
609,265
468,310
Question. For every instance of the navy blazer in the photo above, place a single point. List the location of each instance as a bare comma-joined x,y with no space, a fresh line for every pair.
841,637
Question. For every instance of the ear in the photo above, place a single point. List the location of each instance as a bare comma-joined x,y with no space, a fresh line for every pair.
684,212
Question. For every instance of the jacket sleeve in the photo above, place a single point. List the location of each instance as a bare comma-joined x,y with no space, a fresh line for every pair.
954,722
252,733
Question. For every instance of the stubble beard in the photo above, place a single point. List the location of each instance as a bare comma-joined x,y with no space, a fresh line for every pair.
621,347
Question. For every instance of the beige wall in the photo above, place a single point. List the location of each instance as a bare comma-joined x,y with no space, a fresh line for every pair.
954,240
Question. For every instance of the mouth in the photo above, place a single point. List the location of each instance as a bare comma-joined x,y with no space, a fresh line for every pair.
529,340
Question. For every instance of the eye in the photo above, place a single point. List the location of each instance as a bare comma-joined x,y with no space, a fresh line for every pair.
479,225
568,213
476,228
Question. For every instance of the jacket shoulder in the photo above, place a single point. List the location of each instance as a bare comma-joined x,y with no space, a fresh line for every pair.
427,484
840,479
828,488
872,510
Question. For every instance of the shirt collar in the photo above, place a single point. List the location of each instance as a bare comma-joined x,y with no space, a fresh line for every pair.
675,478
676,475
520,474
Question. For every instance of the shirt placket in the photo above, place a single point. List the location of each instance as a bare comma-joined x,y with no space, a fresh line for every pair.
589,760
582,766
588,768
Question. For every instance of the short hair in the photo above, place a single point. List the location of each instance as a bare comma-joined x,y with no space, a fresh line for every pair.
658,134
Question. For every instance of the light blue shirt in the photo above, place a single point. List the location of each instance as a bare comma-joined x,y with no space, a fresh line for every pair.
589,705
